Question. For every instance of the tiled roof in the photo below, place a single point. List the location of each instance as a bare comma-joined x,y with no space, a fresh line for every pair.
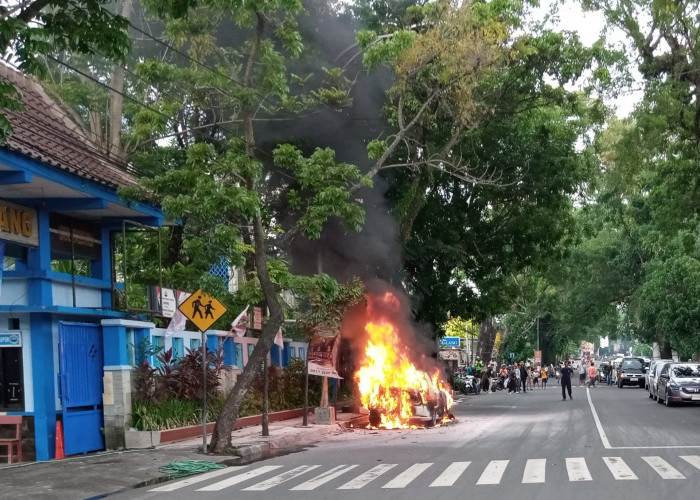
46,132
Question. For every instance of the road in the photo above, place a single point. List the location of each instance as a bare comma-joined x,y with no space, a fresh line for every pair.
607,442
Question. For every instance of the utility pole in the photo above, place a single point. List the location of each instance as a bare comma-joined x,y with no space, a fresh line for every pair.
538,333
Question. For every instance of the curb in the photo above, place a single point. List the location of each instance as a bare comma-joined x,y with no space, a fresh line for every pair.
307,436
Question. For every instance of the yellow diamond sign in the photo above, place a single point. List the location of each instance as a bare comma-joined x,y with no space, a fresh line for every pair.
201,309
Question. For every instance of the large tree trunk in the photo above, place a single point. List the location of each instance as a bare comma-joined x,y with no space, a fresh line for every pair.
221,438
487,338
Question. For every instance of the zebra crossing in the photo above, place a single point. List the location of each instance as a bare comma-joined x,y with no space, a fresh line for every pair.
395,476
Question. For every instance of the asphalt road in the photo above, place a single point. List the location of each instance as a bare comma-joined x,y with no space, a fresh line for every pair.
606,443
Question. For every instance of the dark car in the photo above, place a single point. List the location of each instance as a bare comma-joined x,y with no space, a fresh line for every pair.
631,372
679,383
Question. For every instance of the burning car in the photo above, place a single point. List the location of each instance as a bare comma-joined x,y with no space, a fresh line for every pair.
426,406
397,393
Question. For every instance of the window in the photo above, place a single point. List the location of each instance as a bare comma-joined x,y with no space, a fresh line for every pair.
239,356
178,348
302,353
250,349
293,351
158,346
632,364
130,354
686,371
195,344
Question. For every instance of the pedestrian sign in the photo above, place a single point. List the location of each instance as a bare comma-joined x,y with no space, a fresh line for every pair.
201,309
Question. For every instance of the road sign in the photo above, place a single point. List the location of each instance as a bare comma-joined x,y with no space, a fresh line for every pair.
201,309
449,342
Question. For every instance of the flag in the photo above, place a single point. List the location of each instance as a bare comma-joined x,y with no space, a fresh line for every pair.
240,324
279,340
179,320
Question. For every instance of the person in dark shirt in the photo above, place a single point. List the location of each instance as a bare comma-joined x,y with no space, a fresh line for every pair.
565,376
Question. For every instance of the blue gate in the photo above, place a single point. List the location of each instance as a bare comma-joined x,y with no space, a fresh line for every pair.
80,386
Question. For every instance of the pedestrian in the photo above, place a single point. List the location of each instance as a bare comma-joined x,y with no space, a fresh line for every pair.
591,375
523,377
565,377
535,376
545,375
479,367
512,382
516,369
581,374
558,373
486,380
607,370
530,371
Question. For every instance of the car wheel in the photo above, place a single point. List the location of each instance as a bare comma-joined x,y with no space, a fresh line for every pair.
668,399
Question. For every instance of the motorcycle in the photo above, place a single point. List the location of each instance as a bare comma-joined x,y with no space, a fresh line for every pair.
497,384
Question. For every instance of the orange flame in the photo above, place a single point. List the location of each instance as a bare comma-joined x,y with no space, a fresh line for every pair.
390,384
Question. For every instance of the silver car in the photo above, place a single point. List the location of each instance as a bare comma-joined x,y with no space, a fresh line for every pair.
679,383
653,373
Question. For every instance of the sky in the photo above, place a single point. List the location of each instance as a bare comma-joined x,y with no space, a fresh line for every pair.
589,26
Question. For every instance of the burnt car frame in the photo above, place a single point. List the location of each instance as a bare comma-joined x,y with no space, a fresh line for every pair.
427,413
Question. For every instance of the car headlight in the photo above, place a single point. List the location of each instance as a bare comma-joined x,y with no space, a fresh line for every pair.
673,386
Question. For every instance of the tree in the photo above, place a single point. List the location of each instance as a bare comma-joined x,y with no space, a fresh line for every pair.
30,31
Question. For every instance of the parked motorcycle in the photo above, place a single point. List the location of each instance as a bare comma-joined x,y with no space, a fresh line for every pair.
497,384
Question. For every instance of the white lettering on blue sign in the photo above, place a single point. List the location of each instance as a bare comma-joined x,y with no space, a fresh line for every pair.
10,340
449,342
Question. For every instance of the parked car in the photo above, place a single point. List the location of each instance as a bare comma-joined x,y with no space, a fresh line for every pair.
651,376
631,372
654,371
679,383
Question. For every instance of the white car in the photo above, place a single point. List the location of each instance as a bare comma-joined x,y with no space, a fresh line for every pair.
651,376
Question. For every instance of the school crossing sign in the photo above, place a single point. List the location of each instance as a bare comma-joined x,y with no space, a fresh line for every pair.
201,309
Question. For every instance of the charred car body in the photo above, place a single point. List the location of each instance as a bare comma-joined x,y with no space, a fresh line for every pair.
419,406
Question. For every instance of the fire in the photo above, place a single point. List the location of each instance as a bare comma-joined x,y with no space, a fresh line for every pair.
390,384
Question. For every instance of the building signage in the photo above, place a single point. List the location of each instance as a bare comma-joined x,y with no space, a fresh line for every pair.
165,297
18,223
323,356
538,358
10,340
449,342
257,318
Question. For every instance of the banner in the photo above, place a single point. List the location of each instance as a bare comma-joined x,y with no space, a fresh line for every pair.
241,323
279,340
322,356
177,324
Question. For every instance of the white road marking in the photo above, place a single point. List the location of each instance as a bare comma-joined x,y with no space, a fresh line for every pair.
578,470
327,476
619,468
534,470
367,477
450,475
693,460
663,468
493,472
198,479
239,478
277,480
599,426
403,479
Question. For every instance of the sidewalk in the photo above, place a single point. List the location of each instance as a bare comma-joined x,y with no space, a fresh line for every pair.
103,473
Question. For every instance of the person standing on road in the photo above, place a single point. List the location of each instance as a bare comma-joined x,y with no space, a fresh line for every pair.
565,379
523,377
591,375
545,376
581,374
607,370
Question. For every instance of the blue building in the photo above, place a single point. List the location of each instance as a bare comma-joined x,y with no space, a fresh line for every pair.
63,349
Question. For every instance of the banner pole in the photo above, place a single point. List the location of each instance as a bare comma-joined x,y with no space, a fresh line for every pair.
305,419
